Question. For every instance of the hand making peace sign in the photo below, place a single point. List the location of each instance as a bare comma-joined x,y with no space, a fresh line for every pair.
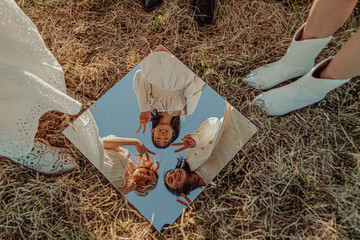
140,147
188,142
144,119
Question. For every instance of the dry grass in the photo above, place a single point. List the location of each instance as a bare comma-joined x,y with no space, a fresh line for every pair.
298,178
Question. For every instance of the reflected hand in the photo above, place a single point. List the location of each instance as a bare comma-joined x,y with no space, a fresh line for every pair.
140,147
157,166
144,119
185,110
188,142
132,166
131,184
148,163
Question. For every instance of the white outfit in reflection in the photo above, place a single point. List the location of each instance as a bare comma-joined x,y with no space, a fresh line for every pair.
114,164
31,82
219,141
204,136
111,164
164,83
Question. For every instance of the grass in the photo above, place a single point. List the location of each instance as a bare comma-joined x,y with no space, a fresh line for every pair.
298,178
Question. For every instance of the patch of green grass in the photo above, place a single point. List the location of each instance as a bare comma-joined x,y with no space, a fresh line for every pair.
21,3
344,233
224,9
294,5
120,226
117,43
159,23
70,72
2,210
42,4
202,63
232,80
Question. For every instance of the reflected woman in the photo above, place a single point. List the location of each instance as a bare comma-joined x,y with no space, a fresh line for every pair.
121,170
208,149
199,146
112,159
166,91
182,179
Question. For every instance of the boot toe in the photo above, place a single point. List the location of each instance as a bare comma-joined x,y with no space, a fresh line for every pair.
150,5
249,79
259,101
204,11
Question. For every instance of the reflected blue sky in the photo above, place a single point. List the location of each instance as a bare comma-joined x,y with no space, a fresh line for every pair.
117,113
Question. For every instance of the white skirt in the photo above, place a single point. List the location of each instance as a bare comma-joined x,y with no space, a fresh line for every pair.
31,82
85,137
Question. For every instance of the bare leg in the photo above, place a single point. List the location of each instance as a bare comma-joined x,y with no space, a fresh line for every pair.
326,16
346,63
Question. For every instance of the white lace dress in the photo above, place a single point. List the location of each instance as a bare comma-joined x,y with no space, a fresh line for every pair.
114,164
164,83
31,82
85,137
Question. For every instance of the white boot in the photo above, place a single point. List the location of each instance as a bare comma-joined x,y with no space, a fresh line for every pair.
298,60
46,159
305,91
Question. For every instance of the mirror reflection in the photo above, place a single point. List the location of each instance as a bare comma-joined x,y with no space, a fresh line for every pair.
160,149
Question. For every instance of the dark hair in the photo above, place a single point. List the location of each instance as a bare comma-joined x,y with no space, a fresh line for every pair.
164,226
188,187
175,124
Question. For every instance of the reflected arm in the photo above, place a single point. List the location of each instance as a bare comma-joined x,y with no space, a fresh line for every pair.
119,142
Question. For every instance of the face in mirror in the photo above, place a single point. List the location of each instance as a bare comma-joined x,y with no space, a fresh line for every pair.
176,178
163,134
165,129
181,179
144,177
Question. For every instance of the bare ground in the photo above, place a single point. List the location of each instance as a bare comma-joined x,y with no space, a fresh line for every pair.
298,178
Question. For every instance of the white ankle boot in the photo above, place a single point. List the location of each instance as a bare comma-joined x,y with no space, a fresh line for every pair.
297,61
46,159
305,91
